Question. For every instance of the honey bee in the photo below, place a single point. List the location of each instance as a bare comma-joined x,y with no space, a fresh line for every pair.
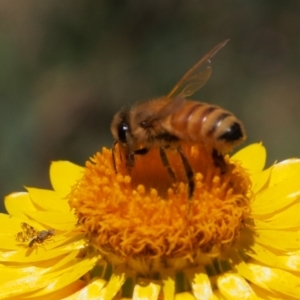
30,233
166,121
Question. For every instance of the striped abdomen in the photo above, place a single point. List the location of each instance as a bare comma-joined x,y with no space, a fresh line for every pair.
200,122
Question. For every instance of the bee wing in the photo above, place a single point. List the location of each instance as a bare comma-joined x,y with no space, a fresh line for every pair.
169,108
197,76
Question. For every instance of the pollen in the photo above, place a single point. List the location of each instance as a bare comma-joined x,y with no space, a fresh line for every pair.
142,212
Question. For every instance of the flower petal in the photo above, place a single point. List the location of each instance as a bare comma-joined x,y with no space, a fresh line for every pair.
200,283
283,189
17,203
48,200
278,239
91,291
57,279
289,262
233,286
276,279
252,157
70,274
53,219
284,170
114,284
146,289
64,292
64,175
263,294
260,179
184,296
288,218
11,225
168,287
271,279
275,198
23,255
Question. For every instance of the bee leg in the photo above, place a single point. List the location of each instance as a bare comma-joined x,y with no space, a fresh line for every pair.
188,171
219,161
113,152
166,162
130,160
130,156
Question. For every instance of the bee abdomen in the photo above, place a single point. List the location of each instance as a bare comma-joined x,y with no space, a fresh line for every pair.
222,128
207,122
201,122
233,133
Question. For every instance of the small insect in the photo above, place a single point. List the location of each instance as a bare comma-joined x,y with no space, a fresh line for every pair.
167,121
29,233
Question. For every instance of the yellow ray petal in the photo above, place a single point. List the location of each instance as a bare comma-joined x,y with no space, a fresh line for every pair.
60,294
8,273
66,243
168,287
218,296
289,225
69,275
233,286
276,239
23,285
65,261
289,262
8,244
32,255
56,220
12,225
91,291
263,294
288,218
260,179
71,243
49,281
70,289
146,289
275,198
252,158
200,283
48,200
271,279
243,269
276,279
284,170
17,203
114,284
64,175
184,296
282,190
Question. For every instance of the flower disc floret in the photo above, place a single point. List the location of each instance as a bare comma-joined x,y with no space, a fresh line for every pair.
142,213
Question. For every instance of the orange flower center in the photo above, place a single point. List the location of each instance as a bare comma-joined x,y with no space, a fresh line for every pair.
145,213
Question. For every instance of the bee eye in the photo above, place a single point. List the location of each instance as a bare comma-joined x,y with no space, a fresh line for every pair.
122,130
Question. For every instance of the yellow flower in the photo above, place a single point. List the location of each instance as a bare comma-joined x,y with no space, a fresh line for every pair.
142,237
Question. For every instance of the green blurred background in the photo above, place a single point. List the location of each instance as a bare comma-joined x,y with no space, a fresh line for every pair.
67,66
